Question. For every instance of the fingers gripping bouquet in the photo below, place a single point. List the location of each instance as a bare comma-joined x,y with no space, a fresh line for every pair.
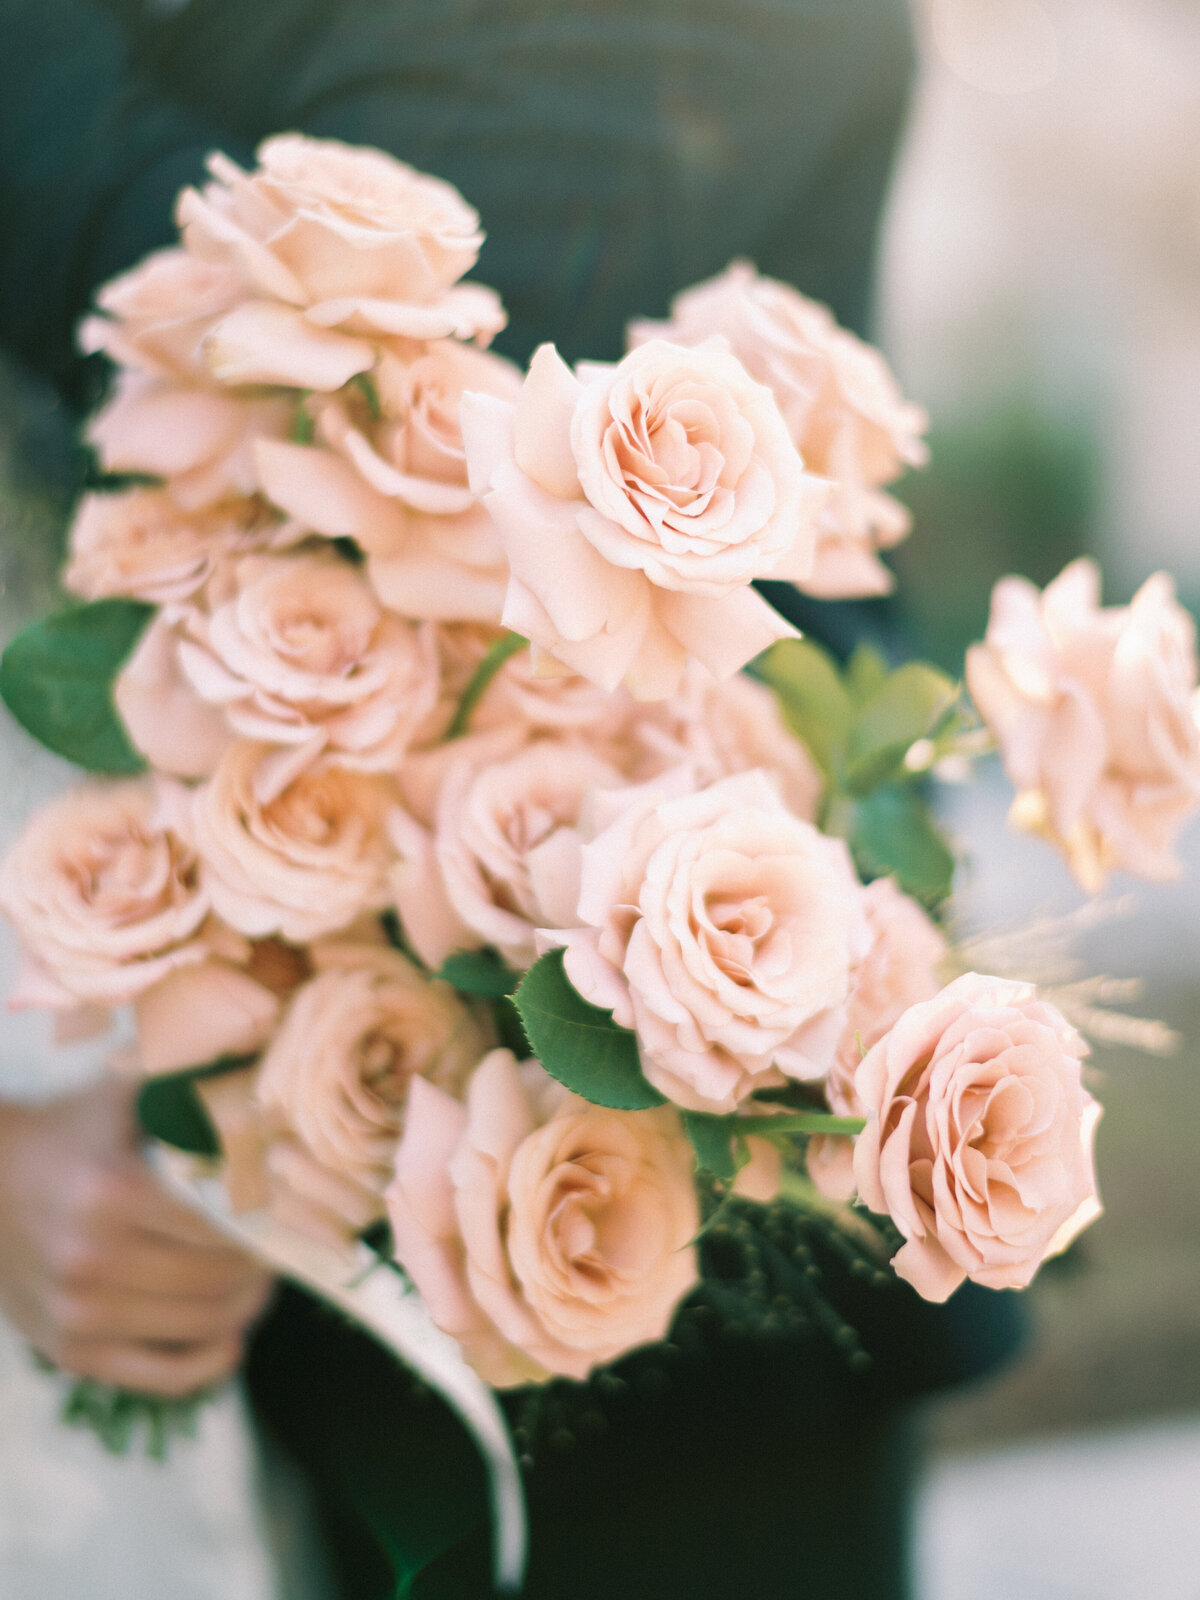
486,932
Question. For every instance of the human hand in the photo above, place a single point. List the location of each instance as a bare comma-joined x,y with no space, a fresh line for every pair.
104,1272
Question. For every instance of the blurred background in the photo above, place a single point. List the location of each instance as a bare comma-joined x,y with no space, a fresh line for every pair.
1040,293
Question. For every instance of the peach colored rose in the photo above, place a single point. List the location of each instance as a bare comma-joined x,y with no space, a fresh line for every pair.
978,1141
155,317
303,863
899,969
296,651
636,503
721,928
841,404
1097,716
199,441
140,543
176,731
107,900
396,482
337,1073
201,1012
326,237
547,1235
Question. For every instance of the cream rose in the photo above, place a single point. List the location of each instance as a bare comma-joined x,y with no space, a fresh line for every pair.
721,928
636,503
303,863
1097,716
396,481
297,652
842,406
547,1235
978,1141
139,543
106,898
333,243
337,1072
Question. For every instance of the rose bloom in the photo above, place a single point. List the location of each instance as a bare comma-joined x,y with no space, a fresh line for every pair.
978,1141
396,482
1097,716
140,544
842,406
546,1235
200,441
302,863
296,651
636,503
338,1070
723,930
900,968
156,316
327,237
106,898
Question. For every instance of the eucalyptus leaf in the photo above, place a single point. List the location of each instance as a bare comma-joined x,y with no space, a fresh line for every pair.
578,1043
719,1147
894,833
811,694
479,972
56,678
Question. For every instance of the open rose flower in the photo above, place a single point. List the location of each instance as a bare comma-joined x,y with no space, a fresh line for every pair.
636,503
302,863
139,543
106,898
721,928
156,316
1097,716
338,1070
547,1235
900,968
337,247
841,404
296,651
978,1141
389,471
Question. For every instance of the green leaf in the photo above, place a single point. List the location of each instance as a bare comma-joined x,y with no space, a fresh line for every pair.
719,1147
910,705
866,673
56,678
169,1108
812,697
579,1044
479,972
894,833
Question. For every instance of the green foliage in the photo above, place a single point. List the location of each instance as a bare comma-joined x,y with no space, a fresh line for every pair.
169,1108
718,1146
815,703
893,832
119,1417
909,704
479,972
56,678
579,1044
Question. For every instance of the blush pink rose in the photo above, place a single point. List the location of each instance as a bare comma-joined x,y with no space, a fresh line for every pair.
139,543
842,406
396,481
336,1075
302,863
106,899
337,247
721,928
1096,712
636,503
296,651
901,967
547,1235
978,1141
156,316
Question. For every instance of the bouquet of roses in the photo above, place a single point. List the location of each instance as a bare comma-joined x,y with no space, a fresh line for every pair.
484,928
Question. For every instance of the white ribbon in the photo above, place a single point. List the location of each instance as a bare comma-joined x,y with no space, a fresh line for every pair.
386,1304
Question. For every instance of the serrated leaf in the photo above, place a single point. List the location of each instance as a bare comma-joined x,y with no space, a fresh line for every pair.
56,678
894,833
578,1043
811,695
479,972
909,706
718,1146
